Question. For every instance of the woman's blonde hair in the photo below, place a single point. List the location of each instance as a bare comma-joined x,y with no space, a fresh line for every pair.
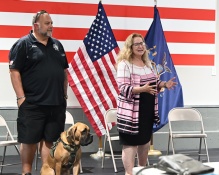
126,52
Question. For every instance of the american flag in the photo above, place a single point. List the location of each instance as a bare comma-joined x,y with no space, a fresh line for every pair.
92,73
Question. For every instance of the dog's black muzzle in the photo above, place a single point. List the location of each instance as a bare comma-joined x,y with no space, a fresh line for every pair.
88,140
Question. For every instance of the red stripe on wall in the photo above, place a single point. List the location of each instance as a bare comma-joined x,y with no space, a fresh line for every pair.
193,60
178,59
70,56
80,33
4,56
6,31
190,14
190,37
111,10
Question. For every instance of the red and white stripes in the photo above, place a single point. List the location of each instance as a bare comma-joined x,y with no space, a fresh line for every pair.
189,26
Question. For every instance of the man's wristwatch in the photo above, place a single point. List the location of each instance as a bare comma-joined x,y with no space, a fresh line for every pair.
66,97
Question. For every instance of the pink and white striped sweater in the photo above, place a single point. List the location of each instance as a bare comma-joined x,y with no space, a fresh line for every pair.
128,77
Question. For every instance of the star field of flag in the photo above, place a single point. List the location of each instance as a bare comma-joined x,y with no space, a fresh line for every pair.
99,39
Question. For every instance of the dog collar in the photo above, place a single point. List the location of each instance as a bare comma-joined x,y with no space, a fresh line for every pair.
70,148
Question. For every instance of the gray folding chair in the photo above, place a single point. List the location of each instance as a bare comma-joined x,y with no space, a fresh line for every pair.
109,118
8,141
187,123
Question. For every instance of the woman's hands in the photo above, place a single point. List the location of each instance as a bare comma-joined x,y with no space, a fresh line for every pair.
151,89
170,84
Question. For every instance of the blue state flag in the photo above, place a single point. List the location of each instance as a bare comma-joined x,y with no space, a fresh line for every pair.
160,55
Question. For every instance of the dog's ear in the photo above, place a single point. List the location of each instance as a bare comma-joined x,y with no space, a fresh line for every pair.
73,136
69,134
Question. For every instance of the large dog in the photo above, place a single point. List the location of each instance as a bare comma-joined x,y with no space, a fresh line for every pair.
66,152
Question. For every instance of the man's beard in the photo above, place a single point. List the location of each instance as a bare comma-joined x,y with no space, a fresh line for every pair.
46,34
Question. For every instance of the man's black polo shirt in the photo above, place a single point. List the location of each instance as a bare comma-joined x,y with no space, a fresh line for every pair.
41,68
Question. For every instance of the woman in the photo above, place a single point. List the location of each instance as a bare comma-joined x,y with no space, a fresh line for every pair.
137,100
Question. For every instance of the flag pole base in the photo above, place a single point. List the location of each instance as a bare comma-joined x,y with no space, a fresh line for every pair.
99,154
153,152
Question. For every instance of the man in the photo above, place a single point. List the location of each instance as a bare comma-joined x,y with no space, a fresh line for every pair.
39,77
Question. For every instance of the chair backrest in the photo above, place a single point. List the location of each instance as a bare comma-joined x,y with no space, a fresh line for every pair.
111,115
4,124
183,114
110,119
186,114
69,118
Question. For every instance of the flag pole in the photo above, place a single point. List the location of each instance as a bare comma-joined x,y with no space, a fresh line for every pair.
152,151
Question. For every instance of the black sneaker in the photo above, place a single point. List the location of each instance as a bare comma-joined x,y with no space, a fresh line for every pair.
28,174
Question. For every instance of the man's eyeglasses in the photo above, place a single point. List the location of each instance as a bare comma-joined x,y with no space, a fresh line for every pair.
37,16
139,44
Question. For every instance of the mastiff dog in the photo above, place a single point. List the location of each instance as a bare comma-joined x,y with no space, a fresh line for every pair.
65,154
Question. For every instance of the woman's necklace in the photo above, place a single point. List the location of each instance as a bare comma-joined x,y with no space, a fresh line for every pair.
142,67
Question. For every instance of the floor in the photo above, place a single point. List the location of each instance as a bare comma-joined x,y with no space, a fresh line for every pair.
91,163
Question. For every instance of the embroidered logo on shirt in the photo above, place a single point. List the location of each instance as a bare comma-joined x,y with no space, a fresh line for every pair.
55,47
11,62
34,46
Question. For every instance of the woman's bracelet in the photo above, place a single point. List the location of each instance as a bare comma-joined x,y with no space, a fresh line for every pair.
18,98
165,84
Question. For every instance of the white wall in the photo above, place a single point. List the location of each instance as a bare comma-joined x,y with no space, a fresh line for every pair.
200,87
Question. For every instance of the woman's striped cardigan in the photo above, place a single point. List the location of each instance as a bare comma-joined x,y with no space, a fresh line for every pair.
128,103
